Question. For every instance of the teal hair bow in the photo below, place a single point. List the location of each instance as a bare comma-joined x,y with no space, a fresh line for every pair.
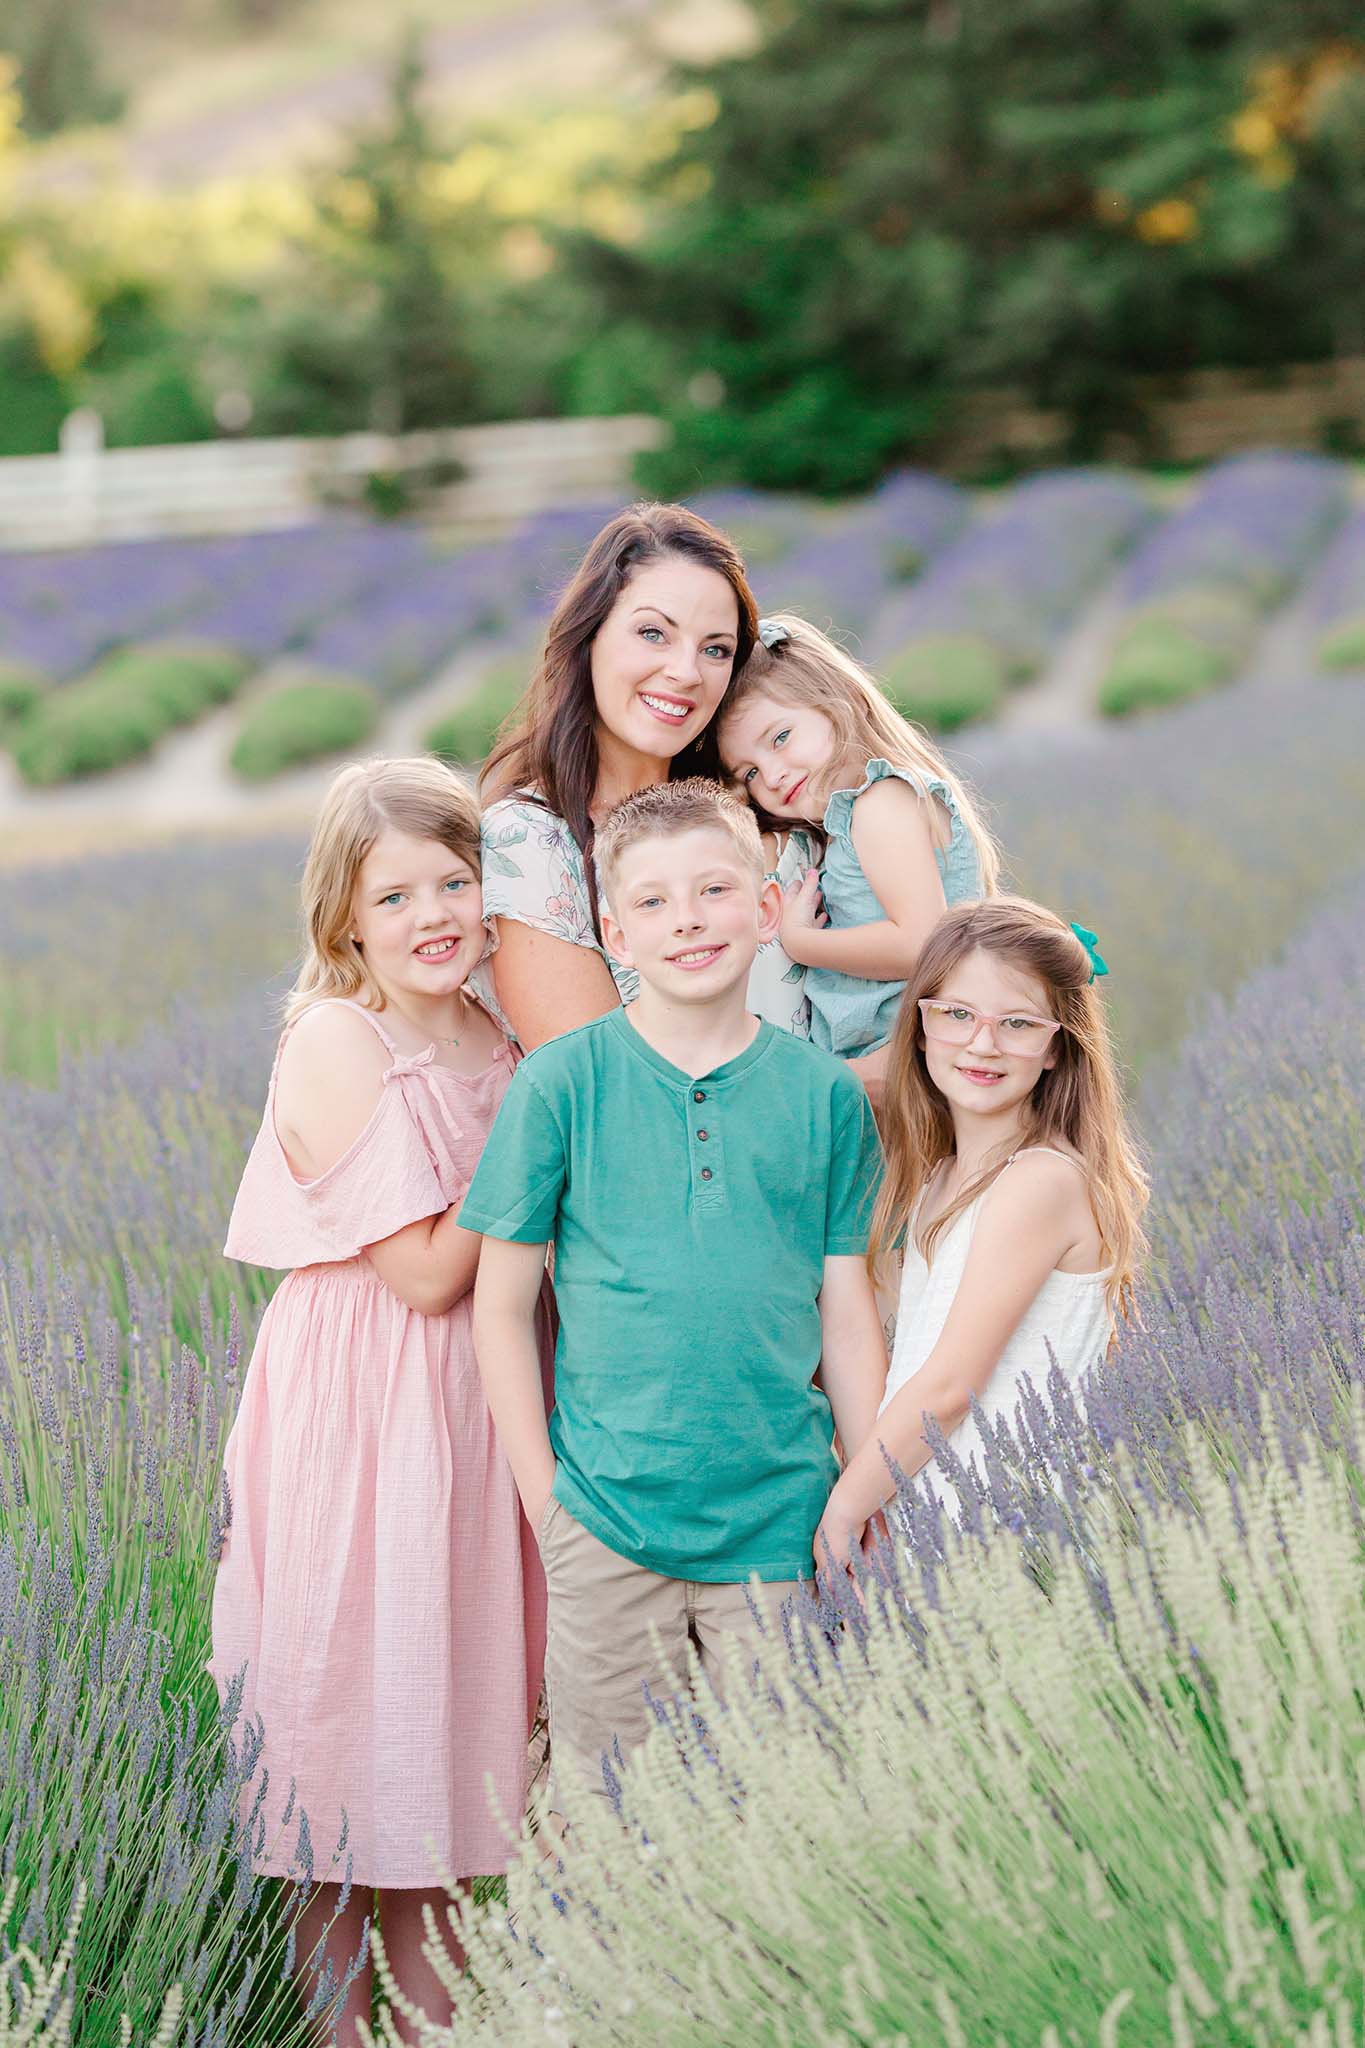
1088,940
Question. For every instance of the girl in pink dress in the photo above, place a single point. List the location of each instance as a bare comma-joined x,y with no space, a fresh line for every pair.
378,1582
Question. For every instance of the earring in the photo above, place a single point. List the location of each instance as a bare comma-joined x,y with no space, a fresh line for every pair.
700,744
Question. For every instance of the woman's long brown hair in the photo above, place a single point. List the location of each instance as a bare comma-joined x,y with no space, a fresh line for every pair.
549,744
1078,1101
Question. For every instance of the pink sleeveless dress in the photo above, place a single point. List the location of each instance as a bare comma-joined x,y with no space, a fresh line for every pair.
378,1580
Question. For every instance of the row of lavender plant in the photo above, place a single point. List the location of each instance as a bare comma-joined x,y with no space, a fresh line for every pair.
1194,595
1194,843
839,573
1087,1766
130,1160
1019,576
97,949
370,601
125,1790
1336,600
255,592
992,608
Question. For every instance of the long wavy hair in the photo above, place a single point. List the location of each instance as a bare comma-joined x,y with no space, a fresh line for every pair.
422,797
548,746
1077,1103
808,669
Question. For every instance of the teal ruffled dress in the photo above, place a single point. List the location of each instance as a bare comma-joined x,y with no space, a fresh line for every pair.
850,1016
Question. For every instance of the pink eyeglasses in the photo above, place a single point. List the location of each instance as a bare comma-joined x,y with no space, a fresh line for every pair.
1018,1031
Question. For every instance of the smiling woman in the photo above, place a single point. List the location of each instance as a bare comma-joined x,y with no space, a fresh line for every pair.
639,653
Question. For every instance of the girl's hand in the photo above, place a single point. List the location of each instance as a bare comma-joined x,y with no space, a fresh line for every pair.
536,1509
839,1535
803,910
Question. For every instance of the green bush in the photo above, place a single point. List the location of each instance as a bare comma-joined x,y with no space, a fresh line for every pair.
300,720
20,689
36,400
1343,646
1225,620
946,680
122,707
467,731
1160,661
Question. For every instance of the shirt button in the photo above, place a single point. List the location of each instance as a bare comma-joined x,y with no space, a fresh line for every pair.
703,1135
706,1173
699,1095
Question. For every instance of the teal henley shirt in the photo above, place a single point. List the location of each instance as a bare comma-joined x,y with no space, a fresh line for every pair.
691,1218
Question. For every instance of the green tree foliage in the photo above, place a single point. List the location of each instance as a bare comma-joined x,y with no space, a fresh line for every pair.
369,331
59,73
898,199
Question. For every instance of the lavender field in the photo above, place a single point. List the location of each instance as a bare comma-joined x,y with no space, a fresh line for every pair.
1088,1771
957,599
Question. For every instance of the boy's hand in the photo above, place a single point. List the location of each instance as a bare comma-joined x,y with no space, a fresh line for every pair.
840,1534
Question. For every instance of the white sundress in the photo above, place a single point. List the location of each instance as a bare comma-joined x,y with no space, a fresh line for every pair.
533,872
1070,1312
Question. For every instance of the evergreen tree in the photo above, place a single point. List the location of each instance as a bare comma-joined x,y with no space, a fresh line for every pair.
898,199
375,335
60,78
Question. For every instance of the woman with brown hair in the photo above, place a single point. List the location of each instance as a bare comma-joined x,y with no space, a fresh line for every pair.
639,653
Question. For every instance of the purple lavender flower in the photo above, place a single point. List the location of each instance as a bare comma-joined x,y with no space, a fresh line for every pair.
839,574
1019,573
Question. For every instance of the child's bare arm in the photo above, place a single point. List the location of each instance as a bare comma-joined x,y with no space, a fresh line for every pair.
853,1349
871,1069
893,840
505,1301
1027,1225
330,1084
430,1265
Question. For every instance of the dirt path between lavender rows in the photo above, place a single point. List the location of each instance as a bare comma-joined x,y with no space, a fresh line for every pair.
454,59
466,64
187,785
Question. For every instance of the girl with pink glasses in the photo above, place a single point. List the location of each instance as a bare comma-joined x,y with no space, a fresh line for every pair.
1012,1189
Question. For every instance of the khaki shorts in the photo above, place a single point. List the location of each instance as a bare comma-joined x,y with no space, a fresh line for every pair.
600,1652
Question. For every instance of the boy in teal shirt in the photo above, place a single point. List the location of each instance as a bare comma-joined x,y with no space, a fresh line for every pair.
707,1183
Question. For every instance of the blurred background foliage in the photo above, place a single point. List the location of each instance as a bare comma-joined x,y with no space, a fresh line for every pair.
801,242
896,203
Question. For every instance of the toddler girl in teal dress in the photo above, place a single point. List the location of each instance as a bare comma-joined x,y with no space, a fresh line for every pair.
811,741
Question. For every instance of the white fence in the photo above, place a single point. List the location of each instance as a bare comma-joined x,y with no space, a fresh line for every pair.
494,476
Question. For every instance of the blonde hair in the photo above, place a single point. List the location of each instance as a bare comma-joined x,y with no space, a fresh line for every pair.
1077,1102
422,797
808,669
667,808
